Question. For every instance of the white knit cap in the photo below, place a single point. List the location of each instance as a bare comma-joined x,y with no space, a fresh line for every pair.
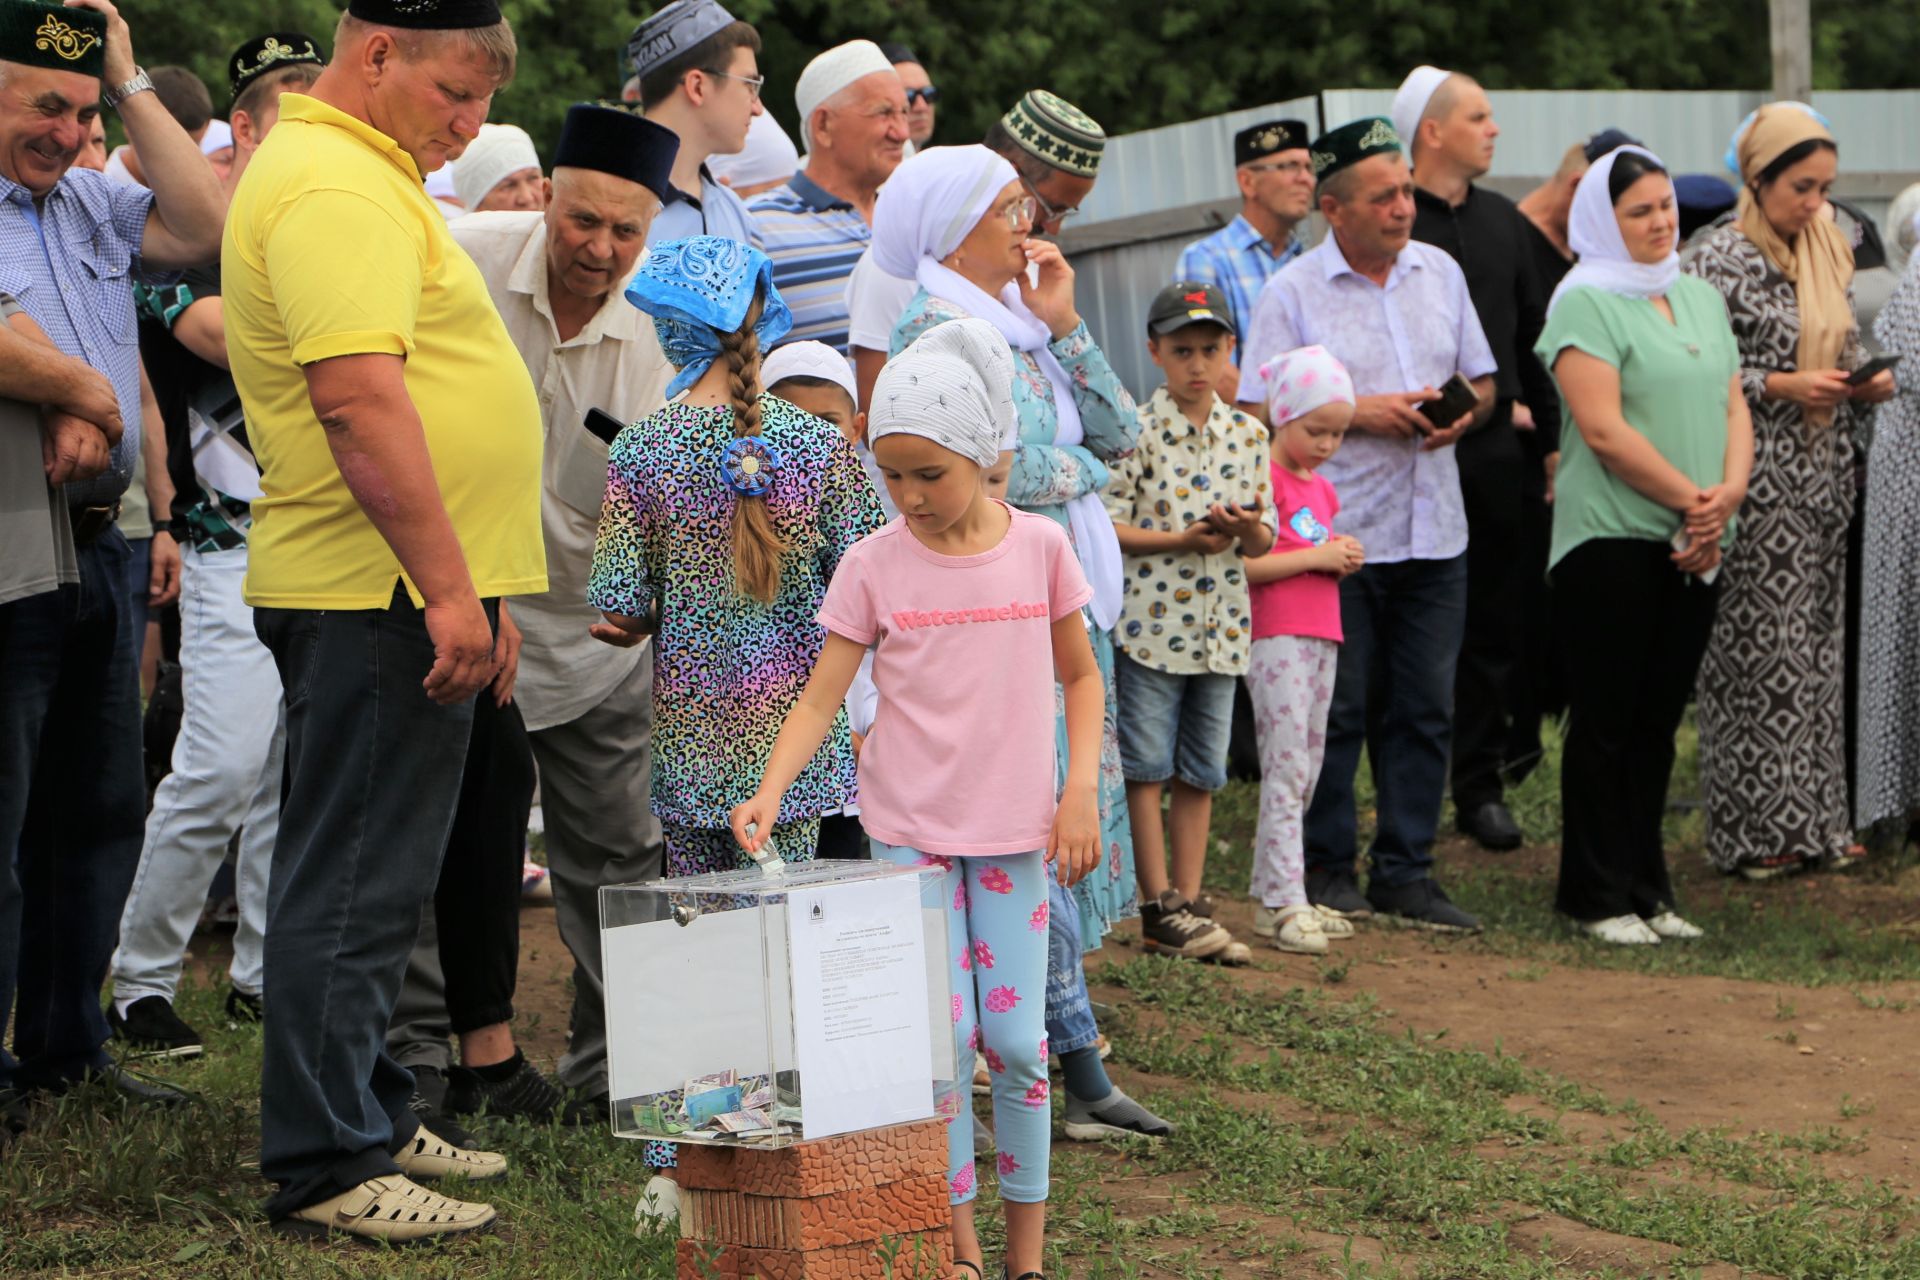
218,137
500,150
808,360
953,386
769,156
831,72
1410,102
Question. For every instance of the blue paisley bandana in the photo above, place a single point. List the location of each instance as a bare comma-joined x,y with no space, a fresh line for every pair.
699,288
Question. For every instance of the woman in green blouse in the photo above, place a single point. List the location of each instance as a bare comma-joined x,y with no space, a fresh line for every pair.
1644,501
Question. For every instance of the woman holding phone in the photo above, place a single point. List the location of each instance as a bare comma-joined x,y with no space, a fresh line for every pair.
1646,491
1772,691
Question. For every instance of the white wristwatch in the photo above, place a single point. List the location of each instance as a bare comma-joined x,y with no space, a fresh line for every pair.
141,83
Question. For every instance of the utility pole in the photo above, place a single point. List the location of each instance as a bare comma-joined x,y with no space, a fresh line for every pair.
1791,28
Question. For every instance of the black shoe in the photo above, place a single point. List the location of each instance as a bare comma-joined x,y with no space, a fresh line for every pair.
587,1109
243,1009
429,1092
1421,904
525,1094
13,1116
1339,893
122,1082
1492,825
153,1030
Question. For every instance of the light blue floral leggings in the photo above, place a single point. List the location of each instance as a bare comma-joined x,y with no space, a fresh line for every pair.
997,926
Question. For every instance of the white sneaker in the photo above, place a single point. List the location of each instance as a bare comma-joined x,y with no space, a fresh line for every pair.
1299,932
1668,924
659,1204
1621,931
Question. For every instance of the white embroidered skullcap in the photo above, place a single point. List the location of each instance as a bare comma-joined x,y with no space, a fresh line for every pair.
808,360
953,386
1410,102
500,151
218,137
831,72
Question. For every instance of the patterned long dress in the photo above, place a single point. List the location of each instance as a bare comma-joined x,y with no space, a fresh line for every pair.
1771,696
1889,725
1046,477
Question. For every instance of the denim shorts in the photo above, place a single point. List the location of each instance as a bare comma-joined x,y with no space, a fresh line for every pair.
1173,726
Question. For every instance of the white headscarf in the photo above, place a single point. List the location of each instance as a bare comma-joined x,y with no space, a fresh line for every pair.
931,202
1410,102
499,152
1302,380
953,386
1594,234
808,360
831,72
921,218
769,156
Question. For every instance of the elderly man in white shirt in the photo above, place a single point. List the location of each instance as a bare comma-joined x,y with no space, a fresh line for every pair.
557,279
1396,312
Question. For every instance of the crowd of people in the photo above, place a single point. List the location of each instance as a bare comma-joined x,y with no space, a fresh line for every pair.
737,493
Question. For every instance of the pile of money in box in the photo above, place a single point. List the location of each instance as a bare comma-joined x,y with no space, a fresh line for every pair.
722,1105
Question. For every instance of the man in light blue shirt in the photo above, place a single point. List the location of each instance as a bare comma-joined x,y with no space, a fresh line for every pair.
699,75
1276,195
1398,315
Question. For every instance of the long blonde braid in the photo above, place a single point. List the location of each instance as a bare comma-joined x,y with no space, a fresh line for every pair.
757,548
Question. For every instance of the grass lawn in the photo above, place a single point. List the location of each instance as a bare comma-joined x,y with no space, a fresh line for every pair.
1521,1105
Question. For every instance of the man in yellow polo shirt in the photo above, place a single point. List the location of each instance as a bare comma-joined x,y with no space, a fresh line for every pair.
399,439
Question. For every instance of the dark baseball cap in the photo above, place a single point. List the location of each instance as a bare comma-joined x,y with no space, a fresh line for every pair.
1186,302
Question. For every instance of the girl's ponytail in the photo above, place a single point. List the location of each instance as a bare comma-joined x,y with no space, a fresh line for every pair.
757,548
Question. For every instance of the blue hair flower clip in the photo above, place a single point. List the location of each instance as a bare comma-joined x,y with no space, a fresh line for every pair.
747,466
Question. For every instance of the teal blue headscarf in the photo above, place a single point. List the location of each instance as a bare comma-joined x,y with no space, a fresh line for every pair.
699,288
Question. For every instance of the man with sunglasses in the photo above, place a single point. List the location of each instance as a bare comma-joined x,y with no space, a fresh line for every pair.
1054,147
698,73
1276,195
923,96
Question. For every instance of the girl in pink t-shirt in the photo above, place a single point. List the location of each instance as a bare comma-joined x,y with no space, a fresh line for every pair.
971,608
1296,637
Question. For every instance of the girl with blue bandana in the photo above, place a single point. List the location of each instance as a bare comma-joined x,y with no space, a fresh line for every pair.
726,513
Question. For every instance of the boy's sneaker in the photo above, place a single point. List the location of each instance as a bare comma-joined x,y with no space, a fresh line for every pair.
153,1030
1338,893
1115,1116
1203,906
523,1094
245,1007
536,882
1421,904
1170,928
429,1095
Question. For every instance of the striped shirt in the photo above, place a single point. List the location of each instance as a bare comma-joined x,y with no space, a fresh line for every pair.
71,265
1238,261
814,239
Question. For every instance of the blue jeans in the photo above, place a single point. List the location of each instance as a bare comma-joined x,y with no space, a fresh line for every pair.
1070,1023
1392,693
373,775
72,800
1173,726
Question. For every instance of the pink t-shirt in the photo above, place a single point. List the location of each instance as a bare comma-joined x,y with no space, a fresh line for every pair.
960,758
1307,604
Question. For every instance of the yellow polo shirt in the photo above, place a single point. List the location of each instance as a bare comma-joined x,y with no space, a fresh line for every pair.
333,248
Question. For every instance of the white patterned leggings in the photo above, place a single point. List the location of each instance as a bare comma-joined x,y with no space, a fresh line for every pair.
1290,680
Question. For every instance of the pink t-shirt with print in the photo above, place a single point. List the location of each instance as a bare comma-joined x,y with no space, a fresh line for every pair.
960,759
1307,604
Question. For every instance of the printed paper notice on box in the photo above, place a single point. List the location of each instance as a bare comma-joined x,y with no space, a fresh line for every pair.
861,1037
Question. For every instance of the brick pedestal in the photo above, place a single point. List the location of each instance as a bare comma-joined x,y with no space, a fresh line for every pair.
818,1210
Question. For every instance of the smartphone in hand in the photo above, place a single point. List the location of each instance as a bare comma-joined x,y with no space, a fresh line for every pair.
1457,398
1871,369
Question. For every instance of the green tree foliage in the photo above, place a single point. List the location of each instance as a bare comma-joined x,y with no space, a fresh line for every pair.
1137,64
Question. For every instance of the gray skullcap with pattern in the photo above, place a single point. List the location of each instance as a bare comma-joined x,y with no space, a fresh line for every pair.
953,386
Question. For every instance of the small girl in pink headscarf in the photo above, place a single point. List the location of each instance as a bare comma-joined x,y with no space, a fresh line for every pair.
1296,637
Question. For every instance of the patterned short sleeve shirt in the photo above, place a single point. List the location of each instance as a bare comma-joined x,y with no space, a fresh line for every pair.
1187,613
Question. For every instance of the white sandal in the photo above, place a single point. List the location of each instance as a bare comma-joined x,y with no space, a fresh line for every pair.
1669,924
1621,931
431,1156
1299,931
390,1209
1333,924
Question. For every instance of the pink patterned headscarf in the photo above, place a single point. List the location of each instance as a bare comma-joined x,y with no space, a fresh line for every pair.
1301,380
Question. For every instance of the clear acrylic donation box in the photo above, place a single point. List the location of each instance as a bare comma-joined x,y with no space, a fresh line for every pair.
764,1008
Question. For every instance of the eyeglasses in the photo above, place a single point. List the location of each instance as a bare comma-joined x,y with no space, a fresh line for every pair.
929,95
1020,212
1048,212
1292,168
754,83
